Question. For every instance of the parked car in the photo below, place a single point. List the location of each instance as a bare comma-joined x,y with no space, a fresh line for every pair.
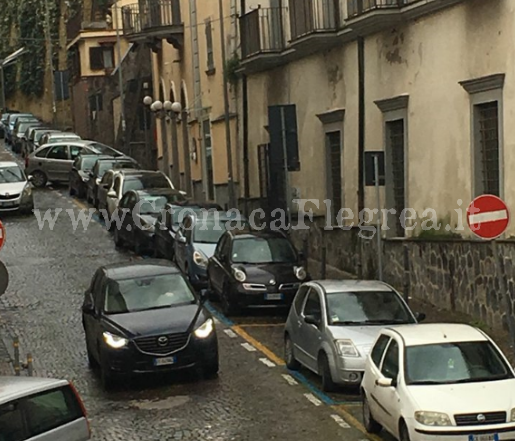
15,189
38,136
13,117
43,409
28,139
4,121
53,162
438,381
53,137
137,226
143,317
169,221
333,324
115,183
196,241
100,168
79,174
18,135
250,269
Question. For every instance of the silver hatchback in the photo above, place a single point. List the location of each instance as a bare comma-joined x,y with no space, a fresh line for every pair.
41,409
332,325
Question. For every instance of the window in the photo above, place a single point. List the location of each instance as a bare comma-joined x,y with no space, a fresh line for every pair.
395,146
209,46
300,297
75,151
313,306
378,349
486,120
51,409
101,57
390,367
334,170
12,426
220,245
208,148
58,152
43,153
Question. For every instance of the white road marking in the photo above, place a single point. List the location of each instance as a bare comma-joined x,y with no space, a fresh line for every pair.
249,347
340,421
490,216
230,333
267,362
314,400
290,380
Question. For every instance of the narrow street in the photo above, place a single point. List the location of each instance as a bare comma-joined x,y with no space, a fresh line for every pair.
252,399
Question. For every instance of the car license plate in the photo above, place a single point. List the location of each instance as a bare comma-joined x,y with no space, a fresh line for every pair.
488,437
164,361
8,204
273,296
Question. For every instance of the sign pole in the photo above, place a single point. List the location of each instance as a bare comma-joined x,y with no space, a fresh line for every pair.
378,232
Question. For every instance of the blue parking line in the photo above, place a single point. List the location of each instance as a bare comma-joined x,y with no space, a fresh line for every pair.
322,396
219,315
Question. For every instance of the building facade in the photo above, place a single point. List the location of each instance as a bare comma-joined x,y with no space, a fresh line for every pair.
424,82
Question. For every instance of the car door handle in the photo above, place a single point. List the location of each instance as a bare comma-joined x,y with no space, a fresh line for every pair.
299,323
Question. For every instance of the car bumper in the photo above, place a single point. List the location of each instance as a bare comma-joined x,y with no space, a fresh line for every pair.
23,204
349,371
273,297
501,432
131,360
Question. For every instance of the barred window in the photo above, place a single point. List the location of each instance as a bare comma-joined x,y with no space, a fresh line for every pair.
395,134
487,158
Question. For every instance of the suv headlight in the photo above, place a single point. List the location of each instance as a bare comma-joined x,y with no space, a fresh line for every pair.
115,341
27,191
239,275
199,259
433,418
346,348
300,273
206,329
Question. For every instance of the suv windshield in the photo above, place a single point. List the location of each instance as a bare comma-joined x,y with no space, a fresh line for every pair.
108,165
451,363
153,204
259,250
11,174
142,294
87,164
144,182
102,148
366,308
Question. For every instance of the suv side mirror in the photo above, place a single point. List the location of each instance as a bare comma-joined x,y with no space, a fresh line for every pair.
111,194
88,308
30,178
420,316
312,320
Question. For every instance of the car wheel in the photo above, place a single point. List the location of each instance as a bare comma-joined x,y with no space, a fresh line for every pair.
289,354
117,239
71,191
371,425
328,385
403,432
93,364
39,179
228,308
107,378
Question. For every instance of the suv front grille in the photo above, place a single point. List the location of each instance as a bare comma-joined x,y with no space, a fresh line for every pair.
152,345
4,197
475,419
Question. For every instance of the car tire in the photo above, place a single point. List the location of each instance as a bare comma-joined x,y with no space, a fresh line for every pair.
92,362
324,370
71,191
371,425
107,379
289,354
39,179
403,432
228,308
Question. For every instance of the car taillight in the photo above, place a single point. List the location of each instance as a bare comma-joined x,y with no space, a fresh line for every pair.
81,403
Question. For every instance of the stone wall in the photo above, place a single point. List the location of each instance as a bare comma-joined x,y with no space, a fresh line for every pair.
458,275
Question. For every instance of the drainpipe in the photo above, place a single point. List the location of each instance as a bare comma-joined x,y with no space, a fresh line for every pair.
245,104
361,118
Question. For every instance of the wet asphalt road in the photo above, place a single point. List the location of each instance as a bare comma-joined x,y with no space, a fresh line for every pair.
252,399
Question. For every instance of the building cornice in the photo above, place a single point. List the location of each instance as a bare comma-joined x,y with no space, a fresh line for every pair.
484,84
331,116
392,104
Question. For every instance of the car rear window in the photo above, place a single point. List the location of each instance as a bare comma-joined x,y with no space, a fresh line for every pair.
52,409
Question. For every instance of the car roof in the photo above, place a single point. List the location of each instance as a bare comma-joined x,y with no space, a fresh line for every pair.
438,333
156,192
141,268
335,286
5,164
115,158
16,387
247,233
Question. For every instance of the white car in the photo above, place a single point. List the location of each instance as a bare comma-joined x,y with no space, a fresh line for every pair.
15,189
439,381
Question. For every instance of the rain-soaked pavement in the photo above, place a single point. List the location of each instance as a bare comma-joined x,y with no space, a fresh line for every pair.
254,398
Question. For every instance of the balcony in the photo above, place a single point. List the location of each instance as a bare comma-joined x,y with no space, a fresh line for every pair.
151,21
262,38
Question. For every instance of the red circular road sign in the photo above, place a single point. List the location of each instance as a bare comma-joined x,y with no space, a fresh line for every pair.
488,216
2,234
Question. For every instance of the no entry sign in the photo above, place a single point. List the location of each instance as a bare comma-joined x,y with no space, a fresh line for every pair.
2,234
488,216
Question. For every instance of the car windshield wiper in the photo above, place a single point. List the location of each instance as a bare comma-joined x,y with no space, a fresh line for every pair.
347,323
427,383
386,322
481,379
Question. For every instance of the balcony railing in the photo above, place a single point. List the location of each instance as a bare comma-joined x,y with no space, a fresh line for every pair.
358,7
312,16
150,15
262,31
